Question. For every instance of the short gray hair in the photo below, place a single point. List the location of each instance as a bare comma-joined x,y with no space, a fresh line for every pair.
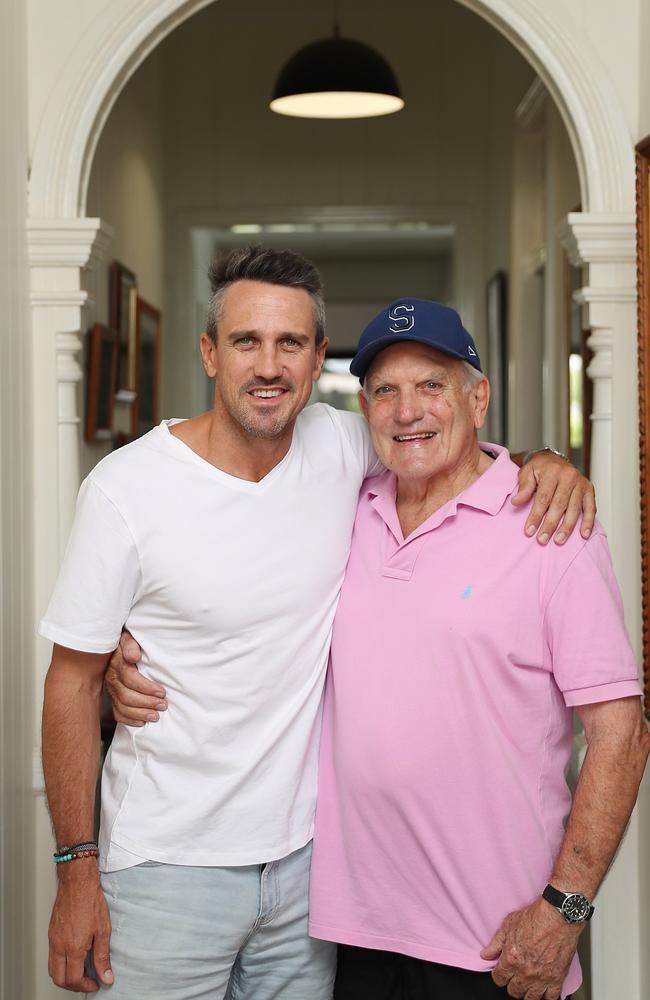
276,267
472,375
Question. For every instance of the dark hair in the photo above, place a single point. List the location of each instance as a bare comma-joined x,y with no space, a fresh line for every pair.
277,267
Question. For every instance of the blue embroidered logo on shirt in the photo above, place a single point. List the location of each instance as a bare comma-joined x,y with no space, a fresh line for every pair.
467,592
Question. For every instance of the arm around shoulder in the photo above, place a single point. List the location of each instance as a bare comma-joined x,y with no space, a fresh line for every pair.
562,495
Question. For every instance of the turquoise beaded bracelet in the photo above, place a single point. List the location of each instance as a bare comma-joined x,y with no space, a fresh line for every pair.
86,850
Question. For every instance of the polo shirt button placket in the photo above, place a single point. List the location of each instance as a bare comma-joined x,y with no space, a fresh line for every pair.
400,563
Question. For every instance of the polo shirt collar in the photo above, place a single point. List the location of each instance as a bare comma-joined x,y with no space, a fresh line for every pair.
491,490
488,493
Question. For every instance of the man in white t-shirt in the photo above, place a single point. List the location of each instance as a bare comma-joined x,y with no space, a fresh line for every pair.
220,542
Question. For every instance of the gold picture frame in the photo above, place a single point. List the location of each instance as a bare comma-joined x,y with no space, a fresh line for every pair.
123,298
643,319
102,360
146,407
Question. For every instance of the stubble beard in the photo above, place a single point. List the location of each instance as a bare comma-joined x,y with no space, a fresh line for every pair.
266,431
259,426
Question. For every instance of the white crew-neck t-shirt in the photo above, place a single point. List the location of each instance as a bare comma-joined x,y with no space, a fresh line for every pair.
230,588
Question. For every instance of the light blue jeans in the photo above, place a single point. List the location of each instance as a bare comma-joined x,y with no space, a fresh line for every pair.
186,933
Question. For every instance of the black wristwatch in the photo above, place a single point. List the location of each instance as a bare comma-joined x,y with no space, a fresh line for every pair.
574,907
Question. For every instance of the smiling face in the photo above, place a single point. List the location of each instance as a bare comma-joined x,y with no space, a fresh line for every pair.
265,358
423,416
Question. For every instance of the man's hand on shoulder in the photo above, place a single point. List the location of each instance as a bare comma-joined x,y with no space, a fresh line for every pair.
135,698
80,923
562,495
533,948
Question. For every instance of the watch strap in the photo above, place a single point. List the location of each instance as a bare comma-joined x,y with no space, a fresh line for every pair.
557,898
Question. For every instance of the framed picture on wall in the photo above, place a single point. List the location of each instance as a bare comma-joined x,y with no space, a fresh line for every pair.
643,320
497,359
123,297
146,407
103,344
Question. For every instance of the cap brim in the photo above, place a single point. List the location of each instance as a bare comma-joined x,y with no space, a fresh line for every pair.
362,360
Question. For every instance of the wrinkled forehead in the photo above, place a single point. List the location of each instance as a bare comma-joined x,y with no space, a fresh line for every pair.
408,359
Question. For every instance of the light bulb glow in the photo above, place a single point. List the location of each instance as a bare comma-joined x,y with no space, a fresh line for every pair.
337,104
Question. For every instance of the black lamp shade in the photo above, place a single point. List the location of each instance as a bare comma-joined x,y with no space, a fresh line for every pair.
336,78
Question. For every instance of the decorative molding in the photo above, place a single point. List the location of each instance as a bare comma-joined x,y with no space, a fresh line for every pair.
600,367
60,297
598,237
603,244
116,42
530,110
620,295
587,101
68,349
67,242
62,253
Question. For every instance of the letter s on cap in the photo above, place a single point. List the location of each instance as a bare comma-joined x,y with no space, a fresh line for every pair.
399,323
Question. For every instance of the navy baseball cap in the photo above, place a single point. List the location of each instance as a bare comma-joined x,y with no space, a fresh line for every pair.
425,322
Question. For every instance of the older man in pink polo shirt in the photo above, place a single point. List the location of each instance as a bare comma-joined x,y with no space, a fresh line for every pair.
459,653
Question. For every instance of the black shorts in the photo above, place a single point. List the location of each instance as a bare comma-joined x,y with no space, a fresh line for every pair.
366,974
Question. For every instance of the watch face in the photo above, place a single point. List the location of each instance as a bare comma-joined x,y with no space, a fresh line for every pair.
575,907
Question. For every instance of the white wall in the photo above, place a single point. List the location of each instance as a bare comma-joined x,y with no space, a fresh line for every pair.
562,197
526,289
545,189
16,829
127,181
612,31
127,191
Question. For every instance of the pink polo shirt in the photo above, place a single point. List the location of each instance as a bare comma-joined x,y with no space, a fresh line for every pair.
457,655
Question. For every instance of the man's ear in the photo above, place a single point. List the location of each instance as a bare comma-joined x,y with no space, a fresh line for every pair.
363,403
209,354
320,359
481,394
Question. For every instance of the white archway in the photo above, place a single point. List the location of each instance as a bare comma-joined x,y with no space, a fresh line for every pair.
118,42
65,245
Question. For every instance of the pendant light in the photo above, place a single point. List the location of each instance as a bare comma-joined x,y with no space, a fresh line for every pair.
336,78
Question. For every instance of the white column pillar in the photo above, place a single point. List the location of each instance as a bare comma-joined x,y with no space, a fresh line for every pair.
599,371
69,374
605,245
62,252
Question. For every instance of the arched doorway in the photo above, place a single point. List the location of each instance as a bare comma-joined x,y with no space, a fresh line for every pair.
65,246
82,100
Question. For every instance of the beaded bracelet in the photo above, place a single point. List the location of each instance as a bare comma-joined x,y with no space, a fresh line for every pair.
85,850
